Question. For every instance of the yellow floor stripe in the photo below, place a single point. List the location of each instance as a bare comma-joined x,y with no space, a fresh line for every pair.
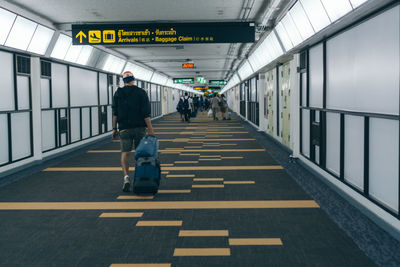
166,164
207,179
140,265
212,159
239,182
159,223
208,186
202,139
135,197
165,172
192,147
203,233
186,162
199,127
175,168
174,150
121,215
180,175
231,157
192,154
151,205
198,133
255,242
184,191
210,156
202,252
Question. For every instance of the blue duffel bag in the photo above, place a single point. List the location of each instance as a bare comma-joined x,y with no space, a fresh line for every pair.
147,176
148,147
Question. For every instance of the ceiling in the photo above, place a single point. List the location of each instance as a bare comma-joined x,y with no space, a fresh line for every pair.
212,61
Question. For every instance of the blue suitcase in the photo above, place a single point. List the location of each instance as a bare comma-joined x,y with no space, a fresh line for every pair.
147,176
148,147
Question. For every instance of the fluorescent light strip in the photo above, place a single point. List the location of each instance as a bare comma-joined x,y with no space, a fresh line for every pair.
6,21
21,33
40,40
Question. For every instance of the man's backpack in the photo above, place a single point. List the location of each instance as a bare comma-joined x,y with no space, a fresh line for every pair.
186,103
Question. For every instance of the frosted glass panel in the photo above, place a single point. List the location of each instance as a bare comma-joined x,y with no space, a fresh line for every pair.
48,130
304,89
333,142
103,89
20,132
384,161
336,8
45,93
59,85
283,35
6,21
4,138
23,92
41,40
354,151
61,47
305,139
356,3
73,53
316,13
302,22
291,29
366,58
316,76
63,139
6,81
95,120
109,118
85,123
75,125
83,87
21,33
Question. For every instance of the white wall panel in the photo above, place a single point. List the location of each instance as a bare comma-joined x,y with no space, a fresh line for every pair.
384,161
3,139
316,76
59,85
23,92
48,130
83,86
103,88
85,123
109,118
45,93
20,132
305,139
304,89
95,121
75,125
333,142
354,151
363,66
6,81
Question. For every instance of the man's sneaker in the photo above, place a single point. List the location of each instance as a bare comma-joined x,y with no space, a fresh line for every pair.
127,184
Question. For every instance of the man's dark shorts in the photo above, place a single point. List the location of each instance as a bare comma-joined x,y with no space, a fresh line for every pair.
130,137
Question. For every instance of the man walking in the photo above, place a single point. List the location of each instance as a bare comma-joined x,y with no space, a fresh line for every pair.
131,110
215,106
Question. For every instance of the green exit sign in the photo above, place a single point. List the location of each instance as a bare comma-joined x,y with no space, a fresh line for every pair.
184,80
216,82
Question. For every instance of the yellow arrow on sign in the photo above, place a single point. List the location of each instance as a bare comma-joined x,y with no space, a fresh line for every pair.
80,35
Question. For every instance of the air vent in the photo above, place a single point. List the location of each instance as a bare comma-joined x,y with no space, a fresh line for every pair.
23,65
45,68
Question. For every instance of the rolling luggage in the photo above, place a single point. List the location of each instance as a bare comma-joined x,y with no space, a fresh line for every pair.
147,170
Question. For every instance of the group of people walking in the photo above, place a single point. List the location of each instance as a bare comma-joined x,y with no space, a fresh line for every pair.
189,106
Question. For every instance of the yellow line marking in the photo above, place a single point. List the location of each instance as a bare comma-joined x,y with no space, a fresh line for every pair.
180,175
198,133
207,179
174,150
175,168
187,162
151,205
210,156
203,159
211,145
192,147
164,172
135,197
121,215
239,182
203,233
192,154
208,186
165,152
159,223
231,157
199,127
255,242
184,191
202,252
228,144
166,164
140,265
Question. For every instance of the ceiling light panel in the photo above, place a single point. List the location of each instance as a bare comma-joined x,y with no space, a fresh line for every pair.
21,33
316,13
245,70
40,40
61,47
356,3
291,29
73,53
282,33
274,44
336,9
117,65
300,19
7,19
139,72
85,54
159,78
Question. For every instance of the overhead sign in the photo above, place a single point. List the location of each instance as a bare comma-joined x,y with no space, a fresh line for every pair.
163,33
201,80
183,80
216,82
187,65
